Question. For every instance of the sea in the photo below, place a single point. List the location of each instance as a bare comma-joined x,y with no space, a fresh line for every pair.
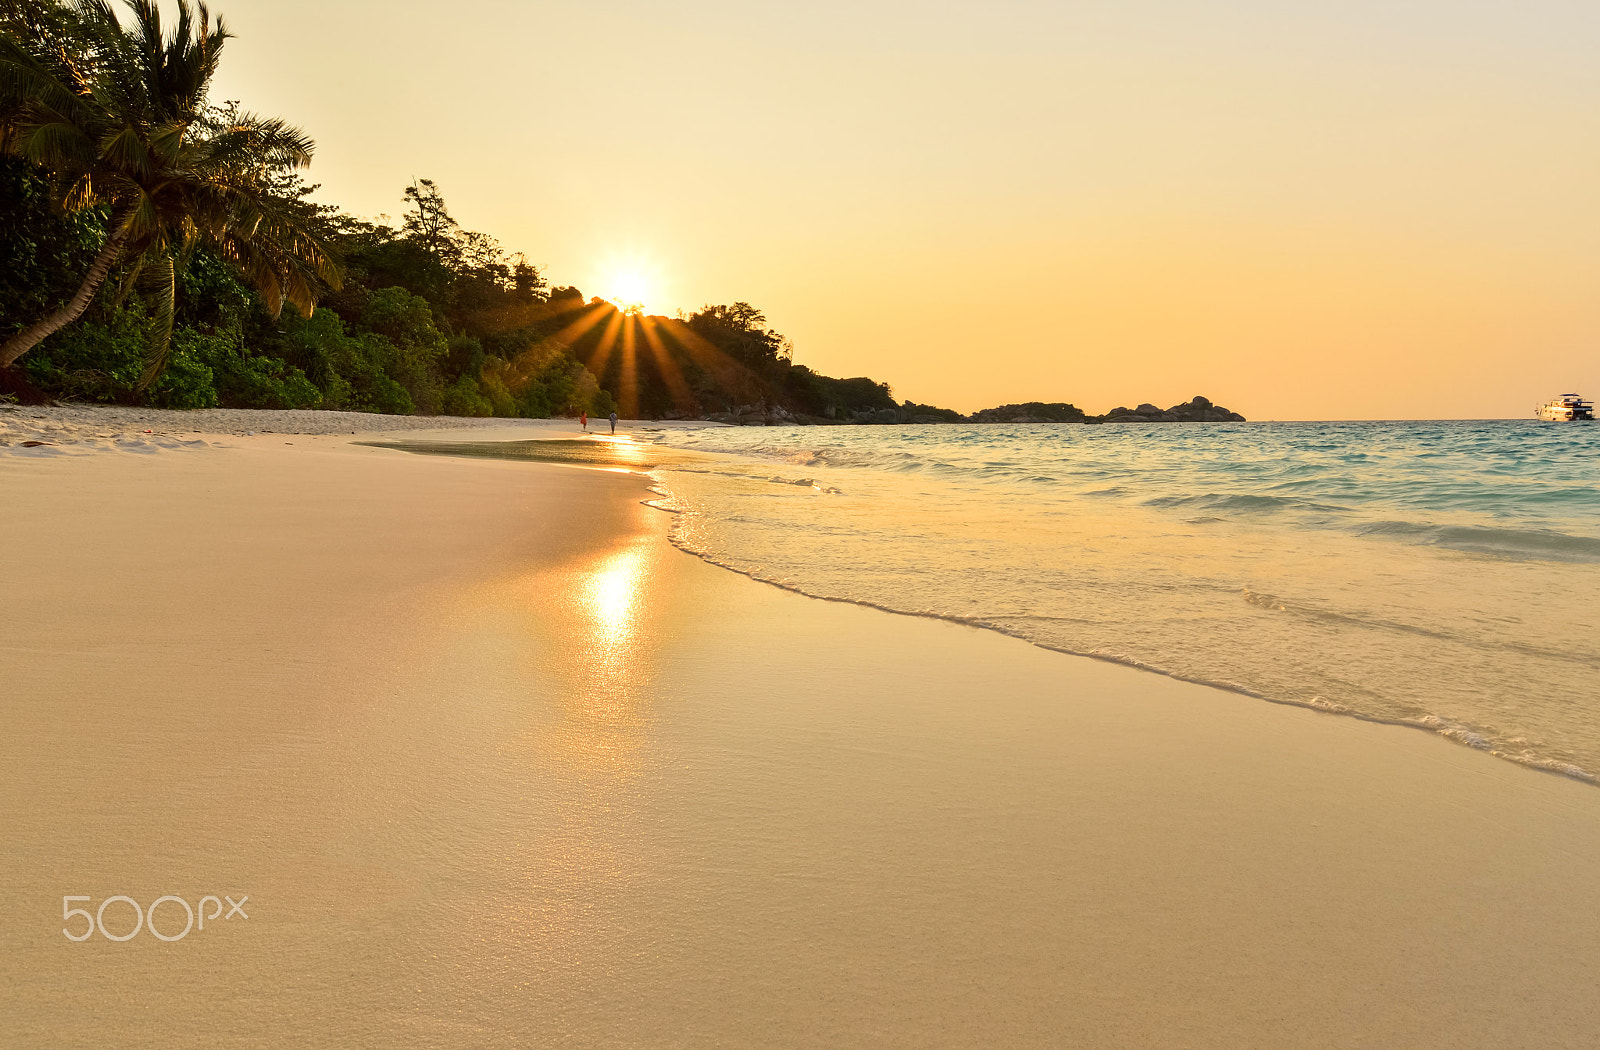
1443,575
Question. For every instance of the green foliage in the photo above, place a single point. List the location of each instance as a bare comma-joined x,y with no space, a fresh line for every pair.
379,349
843,399
211,293
188,381
351,370
257,381
100,359
499,395
377,261
431,318
43,254
541,381
404,318
463,398
534,403
405,345
114,167
465,356
741,332
114,115
723,361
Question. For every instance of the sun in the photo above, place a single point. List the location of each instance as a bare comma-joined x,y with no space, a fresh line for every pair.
630,288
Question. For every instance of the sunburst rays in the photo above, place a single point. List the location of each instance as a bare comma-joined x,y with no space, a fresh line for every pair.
631,350
671,374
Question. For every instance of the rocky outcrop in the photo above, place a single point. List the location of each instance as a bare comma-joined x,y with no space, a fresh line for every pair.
1031,412
760,414
1198,410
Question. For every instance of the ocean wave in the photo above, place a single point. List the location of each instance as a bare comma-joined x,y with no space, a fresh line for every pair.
1513,544
1239,502
1478,738
1329,566
1475,640
1495,468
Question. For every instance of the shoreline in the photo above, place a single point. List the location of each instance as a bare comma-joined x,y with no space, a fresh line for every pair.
1452,734
1455,734
84,426
500,765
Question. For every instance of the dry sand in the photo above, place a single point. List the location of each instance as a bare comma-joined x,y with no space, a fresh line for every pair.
72,429
499,767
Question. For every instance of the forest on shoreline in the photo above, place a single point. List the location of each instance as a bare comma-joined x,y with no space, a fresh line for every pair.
429,319
158,248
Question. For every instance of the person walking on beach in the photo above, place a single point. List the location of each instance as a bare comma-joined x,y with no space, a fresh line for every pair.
613,422
583,419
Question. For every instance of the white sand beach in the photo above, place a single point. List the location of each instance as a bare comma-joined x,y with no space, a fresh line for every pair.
82,428
498,766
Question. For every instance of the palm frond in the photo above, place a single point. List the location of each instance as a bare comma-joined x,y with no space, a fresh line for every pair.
55,145
27,78
144,223
115,110
127,150
121,82
158,337
79,193
130,278
194,51
255,142
166,143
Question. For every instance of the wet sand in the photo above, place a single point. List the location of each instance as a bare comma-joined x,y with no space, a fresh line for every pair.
497,766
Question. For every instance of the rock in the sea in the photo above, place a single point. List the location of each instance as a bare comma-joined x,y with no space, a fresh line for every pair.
1201,410
1031,412
1198,410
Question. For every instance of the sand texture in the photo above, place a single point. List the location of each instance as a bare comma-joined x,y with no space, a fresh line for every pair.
72,421
75,430
497,766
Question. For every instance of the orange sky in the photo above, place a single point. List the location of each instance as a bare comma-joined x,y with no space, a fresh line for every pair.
1302,210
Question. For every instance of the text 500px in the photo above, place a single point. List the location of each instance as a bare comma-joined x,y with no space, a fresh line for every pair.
145,918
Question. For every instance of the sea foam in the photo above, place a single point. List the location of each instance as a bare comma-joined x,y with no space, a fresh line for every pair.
1439,575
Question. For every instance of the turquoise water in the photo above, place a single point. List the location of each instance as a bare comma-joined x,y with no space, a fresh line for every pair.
1438,574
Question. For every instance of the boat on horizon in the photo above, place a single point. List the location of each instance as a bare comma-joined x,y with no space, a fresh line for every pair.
1567,408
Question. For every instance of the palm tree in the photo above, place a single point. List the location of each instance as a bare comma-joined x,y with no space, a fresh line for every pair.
117,116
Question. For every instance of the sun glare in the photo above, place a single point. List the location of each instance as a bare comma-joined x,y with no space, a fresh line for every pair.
613,591
631,285
629,289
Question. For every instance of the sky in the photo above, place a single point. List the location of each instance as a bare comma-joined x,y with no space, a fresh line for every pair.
1303,210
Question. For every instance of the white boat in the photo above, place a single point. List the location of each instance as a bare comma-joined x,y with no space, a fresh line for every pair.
1566,409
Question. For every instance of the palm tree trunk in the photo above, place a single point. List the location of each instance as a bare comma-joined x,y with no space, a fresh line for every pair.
35,333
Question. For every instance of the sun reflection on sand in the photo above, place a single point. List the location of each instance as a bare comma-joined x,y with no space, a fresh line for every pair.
624,450
605,661
613,591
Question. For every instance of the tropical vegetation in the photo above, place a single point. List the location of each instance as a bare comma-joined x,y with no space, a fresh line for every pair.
162,248
116,116
159,247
